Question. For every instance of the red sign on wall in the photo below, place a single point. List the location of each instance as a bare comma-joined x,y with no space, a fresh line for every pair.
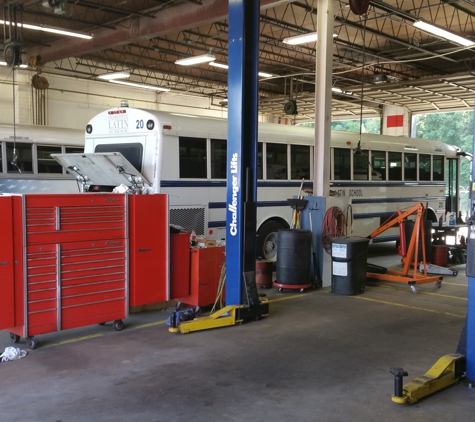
395,121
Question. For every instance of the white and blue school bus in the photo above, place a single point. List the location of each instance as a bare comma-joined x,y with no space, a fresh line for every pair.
185,157
26,165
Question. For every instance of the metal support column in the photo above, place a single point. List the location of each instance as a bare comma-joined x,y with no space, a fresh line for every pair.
323,97
242,144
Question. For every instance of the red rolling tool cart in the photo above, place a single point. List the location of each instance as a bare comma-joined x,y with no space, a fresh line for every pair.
65,260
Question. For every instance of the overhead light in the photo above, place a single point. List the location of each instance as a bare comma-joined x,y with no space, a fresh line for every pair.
3,63
435,30
155,88
23,66
337,90
189,61
48,29
225,66
221,65
115,75
302,38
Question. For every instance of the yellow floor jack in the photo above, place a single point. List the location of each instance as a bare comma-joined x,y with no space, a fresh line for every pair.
256,308
446,371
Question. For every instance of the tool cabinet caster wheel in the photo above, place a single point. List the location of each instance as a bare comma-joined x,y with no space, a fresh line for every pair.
414,289
32,343
281,289
438,284
302,290
15,338
118,325
102,323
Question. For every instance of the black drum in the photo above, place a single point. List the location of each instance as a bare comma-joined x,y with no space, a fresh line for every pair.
294,250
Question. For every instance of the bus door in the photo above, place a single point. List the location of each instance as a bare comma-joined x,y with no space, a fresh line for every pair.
451,185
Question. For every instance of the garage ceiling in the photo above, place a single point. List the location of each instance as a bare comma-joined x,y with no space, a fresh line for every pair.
378,59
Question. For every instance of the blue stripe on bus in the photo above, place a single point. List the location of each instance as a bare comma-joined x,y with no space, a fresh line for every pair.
216,224
222,183
373,215
392,200
260,204
192,183
379,239
286,183
385,184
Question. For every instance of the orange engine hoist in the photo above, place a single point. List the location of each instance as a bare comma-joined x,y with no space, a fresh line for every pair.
409,256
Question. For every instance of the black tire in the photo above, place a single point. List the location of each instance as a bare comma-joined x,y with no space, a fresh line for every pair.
15,338
32,343
267,240
118,325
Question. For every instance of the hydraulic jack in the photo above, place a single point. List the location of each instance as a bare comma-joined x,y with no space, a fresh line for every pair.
255,309
446,371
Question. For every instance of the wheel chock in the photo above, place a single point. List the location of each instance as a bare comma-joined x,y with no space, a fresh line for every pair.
224,317
446,371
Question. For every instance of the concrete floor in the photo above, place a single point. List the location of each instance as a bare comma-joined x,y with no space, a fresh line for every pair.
317,357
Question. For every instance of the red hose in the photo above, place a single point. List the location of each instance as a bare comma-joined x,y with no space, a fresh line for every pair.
333,225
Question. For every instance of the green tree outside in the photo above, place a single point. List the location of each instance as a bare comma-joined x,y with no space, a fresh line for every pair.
455,128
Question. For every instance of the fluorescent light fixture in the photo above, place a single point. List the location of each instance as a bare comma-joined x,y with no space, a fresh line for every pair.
189,61
225,66
3,63
23,66
302,38
337,90
115,75
48,29
221,65
155,88
435,30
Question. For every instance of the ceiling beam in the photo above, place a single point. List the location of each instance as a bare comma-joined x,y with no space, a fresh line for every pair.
172,19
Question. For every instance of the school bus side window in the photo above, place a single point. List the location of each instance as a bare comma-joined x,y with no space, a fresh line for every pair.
192,158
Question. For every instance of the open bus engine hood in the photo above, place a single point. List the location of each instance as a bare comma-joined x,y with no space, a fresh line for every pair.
101,168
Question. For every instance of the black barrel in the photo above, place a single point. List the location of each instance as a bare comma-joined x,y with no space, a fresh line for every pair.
409,228
349,256
294,249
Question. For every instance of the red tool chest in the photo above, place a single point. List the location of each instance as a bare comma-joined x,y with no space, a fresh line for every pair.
179,265
205,271
64,260
149,239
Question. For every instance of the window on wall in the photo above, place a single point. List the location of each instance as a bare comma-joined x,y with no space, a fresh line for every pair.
47,164
424,167
299,162
342,164
378,164
24,158
276,161
410,166
218,158
395,165
192,158
360,166
438,168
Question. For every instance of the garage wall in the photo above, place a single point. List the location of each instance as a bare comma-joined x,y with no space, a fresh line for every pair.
71,103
